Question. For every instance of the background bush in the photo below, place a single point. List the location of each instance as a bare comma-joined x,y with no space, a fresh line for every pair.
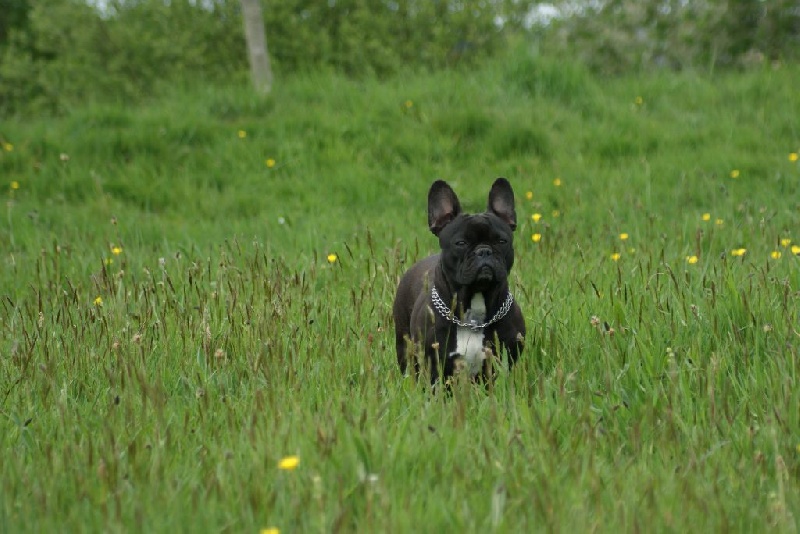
58,53
620,35
66,52
61,52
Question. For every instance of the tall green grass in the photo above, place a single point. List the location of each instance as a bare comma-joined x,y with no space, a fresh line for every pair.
177,316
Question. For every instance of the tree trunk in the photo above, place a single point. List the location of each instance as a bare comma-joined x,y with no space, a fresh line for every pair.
260,69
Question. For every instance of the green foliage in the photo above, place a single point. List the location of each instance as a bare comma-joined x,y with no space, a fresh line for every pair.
69,52
58,54
171,326
361,36
623,35
769,29
15,15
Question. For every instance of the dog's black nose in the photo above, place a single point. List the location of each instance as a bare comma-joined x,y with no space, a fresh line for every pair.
483,252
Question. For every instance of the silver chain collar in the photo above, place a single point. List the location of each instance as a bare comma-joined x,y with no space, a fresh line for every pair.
442,308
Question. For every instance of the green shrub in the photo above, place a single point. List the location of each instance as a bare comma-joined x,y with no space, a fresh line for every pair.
70,53
622,35
67,52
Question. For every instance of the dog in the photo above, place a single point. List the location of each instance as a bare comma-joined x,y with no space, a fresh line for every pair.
456,305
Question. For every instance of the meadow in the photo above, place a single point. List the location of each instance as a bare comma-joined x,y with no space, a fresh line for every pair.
196,291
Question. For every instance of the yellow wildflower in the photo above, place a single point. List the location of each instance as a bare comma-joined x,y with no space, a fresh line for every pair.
289,463
270,163
691,259
738,252
793,157
536,238
624,236
15,185
775,254
735,173
332,258
536,217
557,182
795,249
8,147
785,242
242,134
616,256
270,530
638,101
98,301
116,251
529,195
719,222
706,216
409,104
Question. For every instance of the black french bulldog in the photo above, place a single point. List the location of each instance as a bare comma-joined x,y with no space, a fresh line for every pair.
455,304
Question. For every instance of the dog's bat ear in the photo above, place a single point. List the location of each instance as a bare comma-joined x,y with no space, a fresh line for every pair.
443,206
501,202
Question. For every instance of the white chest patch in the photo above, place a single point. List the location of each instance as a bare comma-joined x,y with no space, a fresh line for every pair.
469,342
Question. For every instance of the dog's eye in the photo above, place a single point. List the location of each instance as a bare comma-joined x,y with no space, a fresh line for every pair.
501,241
461,243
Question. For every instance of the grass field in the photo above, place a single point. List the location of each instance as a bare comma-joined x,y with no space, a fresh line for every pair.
199,288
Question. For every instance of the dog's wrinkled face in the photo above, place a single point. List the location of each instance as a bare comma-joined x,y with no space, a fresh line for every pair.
477,250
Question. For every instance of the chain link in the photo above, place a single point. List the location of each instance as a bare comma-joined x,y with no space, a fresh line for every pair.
439,304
